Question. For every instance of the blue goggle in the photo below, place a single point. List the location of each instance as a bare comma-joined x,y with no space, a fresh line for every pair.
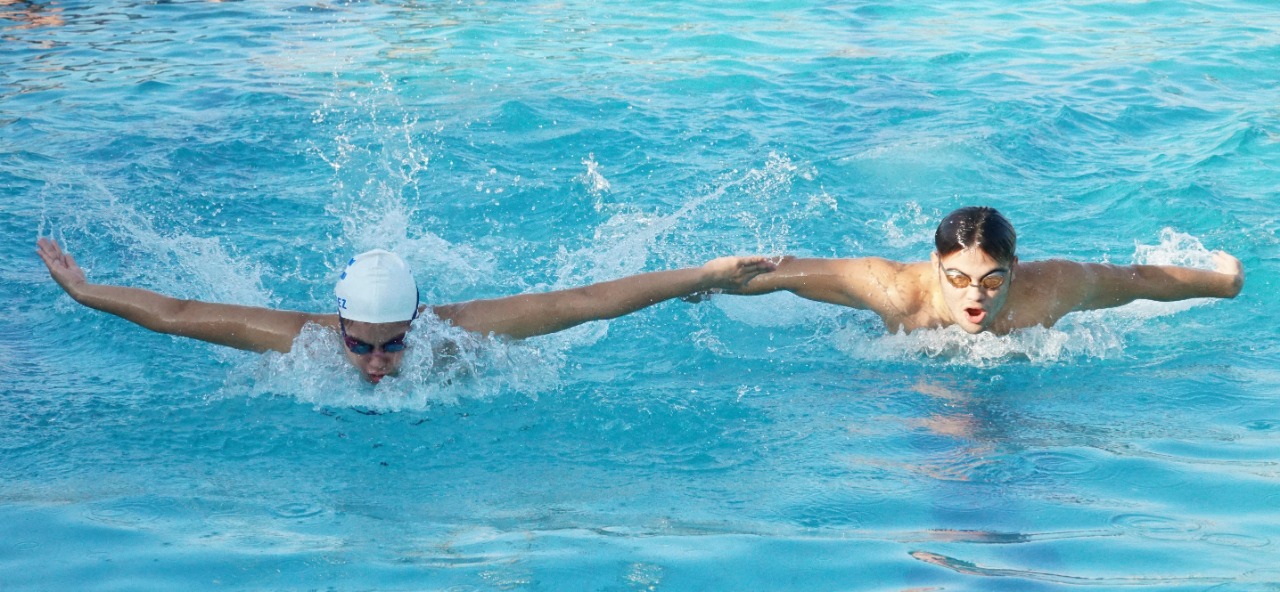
361,348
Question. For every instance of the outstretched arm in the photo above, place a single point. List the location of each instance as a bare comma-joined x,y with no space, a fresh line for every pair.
527,315
867,283
1107,286
241,327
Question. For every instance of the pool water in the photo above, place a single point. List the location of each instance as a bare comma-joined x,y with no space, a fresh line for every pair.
241,152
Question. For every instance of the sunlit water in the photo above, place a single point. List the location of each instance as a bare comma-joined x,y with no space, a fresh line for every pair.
240,152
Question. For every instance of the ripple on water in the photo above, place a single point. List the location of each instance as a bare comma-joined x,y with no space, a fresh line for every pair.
1262,580
218,509
968,466
975,498
1262,425
127,512
1061,463
297,510
1158,527
1236,540
828,508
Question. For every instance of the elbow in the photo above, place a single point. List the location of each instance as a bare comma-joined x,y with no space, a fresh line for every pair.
169,318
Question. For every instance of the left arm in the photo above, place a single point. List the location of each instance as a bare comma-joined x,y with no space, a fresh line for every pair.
527,315
1106,286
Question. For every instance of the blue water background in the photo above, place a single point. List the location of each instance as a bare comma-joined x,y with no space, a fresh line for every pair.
240,152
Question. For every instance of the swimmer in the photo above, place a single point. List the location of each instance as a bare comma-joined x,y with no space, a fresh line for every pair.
974,280
377,300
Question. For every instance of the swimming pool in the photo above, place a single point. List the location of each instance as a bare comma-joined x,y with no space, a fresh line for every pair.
240,152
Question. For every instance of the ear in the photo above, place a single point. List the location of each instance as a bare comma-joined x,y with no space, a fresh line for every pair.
934,258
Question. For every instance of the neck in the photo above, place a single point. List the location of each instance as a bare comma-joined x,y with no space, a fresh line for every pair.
941,312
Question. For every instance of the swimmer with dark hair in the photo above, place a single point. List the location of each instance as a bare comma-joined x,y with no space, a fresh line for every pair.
974,280
377,300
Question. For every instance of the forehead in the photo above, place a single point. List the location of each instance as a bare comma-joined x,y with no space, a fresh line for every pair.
375,332
972,261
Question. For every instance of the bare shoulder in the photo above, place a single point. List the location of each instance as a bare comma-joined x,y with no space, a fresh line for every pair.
901,289
876,266
858,273
864,273
1044,291
268,329
1051,272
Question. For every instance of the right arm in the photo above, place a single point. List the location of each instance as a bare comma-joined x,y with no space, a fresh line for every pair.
867,283
527,315
242,327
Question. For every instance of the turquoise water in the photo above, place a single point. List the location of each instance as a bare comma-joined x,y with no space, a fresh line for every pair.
240,152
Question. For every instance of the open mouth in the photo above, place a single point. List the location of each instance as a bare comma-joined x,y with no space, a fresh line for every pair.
975,315
374,378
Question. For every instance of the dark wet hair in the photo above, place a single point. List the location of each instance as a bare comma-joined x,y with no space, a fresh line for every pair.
976,226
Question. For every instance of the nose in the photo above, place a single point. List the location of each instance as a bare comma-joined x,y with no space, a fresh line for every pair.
379,359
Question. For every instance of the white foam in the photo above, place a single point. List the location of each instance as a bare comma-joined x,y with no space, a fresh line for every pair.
1175,248
170,262
594,180
443,269
380,155
953,346
910,227
442,365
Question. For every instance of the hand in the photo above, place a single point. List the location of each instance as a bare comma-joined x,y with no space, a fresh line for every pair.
1227,265
733,273
62,266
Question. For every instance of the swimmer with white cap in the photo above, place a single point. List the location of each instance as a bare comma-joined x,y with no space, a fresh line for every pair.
974,280
377,299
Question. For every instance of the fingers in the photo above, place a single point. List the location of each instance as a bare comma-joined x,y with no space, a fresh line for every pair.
754,266
51,253
47,251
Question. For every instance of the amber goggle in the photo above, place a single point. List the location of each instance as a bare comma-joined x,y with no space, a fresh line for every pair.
991,281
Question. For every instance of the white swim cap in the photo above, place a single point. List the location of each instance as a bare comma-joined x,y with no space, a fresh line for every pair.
377,287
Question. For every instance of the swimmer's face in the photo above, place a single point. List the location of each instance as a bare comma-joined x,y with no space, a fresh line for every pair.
975,306
378,363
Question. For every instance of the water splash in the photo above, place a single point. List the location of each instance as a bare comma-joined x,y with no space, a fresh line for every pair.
443,364
952,345
380,154
910,227
1175,248
594,181
768,212
171,262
